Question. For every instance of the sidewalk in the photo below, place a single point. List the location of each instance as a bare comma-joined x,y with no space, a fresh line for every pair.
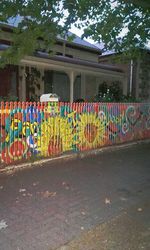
46,207
129,230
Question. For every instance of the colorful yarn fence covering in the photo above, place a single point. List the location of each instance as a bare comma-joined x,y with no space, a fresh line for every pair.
46,129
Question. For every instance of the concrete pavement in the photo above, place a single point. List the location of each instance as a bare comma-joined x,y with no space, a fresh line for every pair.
48,206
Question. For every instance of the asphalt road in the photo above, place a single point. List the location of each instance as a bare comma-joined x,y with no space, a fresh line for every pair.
94,203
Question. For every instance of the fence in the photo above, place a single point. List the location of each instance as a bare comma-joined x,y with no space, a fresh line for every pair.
46,129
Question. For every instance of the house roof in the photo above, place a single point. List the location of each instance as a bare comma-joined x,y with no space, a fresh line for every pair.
79,42
79,62
72,61
113,53
76,40
106,53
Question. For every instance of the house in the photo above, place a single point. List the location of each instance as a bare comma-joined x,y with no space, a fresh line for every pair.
137,71
72,71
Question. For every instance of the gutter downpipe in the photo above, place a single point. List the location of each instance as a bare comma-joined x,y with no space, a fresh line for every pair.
131,77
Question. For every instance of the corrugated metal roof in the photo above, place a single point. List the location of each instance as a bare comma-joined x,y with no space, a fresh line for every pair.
105,52
14,21
78,41
113,52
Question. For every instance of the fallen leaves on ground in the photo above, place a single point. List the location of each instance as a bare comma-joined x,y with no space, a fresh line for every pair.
107,201
21,190
30,195
47,194
123,199
35,184
83,213
66,185
3,224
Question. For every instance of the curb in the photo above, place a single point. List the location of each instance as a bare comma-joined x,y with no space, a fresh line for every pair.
72,156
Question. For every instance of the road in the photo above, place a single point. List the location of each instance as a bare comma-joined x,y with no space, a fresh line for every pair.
93,203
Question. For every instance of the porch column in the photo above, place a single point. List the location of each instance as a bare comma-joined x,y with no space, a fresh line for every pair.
71,75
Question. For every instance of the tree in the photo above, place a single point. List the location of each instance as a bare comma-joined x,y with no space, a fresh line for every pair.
142,3
39,24
120,24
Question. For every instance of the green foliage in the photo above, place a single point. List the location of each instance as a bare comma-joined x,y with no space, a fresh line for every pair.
38,26
145,4
106,20
8,98
112,93
109,93
33,83
42,20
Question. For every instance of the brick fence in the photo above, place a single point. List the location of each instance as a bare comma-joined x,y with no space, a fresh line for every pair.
46,129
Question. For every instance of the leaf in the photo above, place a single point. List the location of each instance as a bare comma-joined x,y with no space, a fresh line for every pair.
63,183
30,195
3,224
107,201
139,209
123,199
48,194
35,183
83,213
66,185
22,190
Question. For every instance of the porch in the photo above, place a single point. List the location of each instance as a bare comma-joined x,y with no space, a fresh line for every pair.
71,79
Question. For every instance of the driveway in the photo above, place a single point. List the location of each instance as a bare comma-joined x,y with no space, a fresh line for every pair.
48,206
